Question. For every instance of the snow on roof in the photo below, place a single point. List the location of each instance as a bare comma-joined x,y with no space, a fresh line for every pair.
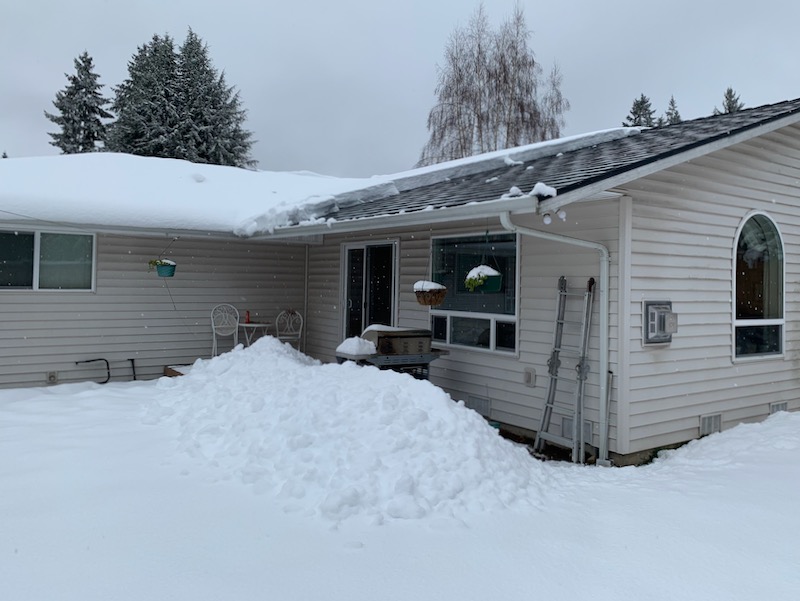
121,191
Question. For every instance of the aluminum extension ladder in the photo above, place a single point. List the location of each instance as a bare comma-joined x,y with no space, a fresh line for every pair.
573,438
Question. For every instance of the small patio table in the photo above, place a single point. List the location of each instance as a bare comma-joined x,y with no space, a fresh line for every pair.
251,329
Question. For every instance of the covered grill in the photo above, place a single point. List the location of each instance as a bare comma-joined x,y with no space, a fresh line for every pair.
406,350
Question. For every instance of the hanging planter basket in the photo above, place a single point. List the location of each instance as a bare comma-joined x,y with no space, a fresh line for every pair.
493,283
165,271
430,294
164,267
483,279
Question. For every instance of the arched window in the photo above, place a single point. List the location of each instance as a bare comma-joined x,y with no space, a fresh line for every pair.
758,318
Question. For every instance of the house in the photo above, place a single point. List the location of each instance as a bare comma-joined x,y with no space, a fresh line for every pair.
691,233
77,233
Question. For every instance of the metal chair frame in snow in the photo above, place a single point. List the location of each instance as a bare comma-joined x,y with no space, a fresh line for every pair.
289,326
224,322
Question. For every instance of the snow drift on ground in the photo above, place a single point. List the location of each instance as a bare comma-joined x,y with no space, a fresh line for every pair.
343,440
265,475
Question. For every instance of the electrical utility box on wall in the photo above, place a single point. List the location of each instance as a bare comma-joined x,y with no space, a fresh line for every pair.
660,323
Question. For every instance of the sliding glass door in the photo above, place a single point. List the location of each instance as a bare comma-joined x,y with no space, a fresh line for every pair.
370,286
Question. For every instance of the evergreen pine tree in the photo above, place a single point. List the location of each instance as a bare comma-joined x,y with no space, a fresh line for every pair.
80,106
730,103
210,129
176,105
146,103
642,114
672,116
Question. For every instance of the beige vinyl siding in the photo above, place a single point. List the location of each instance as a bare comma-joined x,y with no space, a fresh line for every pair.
541,266
684,225
323,317
467,373
133,314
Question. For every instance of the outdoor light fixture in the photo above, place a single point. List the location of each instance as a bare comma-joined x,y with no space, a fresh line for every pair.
547,219
562,215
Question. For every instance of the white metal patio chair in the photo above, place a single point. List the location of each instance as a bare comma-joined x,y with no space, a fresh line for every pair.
289,326
224,323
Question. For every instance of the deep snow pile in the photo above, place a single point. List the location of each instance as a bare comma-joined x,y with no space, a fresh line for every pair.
96,505
343,440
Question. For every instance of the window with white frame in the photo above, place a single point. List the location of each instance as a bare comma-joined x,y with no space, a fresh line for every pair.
486,316
46,261
758,318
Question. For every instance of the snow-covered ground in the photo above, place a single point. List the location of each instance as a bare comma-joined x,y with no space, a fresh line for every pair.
265,475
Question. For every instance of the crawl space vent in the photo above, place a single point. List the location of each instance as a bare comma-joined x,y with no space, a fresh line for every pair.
479,404
710,424
775,407
566,429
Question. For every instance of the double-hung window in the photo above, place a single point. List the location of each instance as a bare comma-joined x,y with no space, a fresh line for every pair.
46,261
758,317
485,317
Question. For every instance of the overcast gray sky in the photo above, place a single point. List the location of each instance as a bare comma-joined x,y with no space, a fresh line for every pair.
344,88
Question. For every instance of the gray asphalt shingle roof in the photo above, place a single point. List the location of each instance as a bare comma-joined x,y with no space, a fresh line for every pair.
570,170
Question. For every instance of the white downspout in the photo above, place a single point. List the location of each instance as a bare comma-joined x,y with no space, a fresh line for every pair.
305,295
605,262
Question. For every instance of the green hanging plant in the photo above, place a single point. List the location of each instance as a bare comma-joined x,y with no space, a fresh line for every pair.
481,275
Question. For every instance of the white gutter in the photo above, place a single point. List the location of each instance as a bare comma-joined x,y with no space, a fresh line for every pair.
117,230
605,262
302,342
420,218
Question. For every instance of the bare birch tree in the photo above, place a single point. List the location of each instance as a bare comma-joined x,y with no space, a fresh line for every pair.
490,93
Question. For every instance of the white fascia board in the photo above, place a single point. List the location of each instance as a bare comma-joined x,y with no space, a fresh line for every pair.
38,225
587,194
115,230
